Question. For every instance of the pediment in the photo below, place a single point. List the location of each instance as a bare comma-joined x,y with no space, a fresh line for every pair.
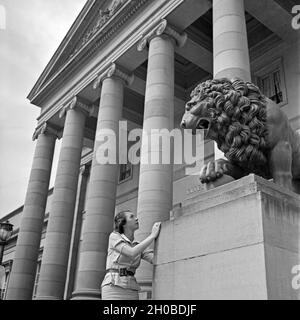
95,15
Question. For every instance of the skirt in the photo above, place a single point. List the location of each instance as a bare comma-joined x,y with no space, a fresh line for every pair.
111,292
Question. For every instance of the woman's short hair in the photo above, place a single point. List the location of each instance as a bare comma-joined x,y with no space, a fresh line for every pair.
120,221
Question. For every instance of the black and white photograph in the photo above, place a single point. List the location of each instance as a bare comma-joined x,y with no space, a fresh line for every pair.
150,151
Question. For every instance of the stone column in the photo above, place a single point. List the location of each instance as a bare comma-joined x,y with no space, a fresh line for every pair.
155,199
231,53
57,244
101,199
22,276
76,232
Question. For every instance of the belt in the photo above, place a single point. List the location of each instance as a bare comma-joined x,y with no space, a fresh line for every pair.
122,271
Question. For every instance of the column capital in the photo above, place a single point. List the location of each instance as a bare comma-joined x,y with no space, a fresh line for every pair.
114,71
163,28
77,103
46,128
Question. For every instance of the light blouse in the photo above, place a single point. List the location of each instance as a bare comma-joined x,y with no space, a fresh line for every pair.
117,260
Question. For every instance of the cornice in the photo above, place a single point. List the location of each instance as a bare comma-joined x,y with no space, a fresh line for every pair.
106,32
104,17
74,28
264,46
160,12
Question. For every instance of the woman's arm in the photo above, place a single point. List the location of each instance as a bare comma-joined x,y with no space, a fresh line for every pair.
148,256
133,252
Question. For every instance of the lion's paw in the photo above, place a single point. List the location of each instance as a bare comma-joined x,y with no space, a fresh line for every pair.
213,171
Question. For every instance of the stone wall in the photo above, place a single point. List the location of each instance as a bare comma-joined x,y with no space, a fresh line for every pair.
238,241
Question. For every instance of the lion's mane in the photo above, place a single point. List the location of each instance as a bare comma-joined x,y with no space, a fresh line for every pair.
238,113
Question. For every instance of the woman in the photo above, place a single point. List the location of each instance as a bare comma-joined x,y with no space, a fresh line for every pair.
124,257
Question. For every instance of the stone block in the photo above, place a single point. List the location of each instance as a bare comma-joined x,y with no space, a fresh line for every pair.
237,241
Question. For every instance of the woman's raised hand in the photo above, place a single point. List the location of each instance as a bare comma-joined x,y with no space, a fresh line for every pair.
156,229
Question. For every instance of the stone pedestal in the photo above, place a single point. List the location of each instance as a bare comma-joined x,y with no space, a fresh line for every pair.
238,241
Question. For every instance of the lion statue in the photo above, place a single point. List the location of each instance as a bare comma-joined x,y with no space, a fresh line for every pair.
250,129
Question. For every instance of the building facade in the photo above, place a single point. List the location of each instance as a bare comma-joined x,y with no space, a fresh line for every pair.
134,61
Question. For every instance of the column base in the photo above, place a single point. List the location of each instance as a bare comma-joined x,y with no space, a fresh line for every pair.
47,299
146,290
86,295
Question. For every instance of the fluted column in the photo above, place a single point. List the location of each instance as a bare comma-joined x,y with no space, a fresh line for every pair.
156,180
57,244
21,283
231,53
101,199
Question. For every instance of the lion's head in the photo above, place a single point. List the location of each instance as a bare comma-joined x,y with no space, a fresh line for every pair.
232,113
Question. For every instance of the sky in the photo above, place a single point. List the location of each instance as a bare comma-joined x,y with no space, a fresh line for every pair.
30,32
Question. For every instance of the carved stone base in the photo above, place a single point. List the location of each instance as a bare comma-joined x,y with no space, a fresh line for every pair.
238,241
86,295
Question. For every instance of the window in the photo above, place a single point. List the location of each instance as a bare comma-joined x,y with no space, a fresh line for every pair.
270,80
125,172
4,288
36,281
7,267
271,86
